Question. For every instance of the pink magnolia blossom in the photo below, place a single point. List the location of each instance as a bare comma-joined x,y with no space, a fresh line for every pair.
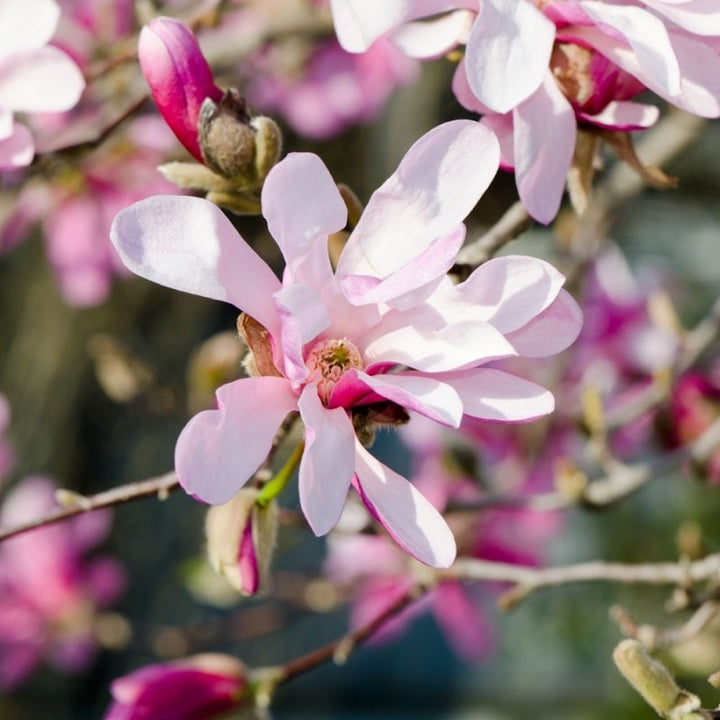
332,89
196,688
34,78
48,590
535,70
179,77
387,333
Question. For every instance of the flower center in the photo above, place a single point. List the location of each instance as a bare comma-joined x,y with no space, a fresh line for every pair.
328,361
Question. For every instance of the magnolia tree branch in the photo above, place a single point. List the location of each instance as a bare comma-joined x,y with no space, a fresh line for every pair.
74,504
527,580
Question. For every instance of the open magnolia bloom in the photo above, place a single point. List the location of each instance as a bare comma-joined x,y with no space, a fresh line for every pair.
385,334
537,70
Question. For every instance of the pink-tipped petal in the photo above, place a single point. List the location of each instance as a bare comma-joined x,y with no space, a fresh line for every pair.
544,137
179,77
46,80
410,519
188,244
302,206
498,396
326,468
555,329
219,450
438,182
508,52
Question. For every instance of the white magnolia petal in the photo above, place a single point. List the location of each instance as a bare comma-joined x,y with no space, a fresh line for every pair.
508,53
188,244
218,451
26,25
17,149
544,131
327,465
498,396
409,518
624,115
700,17
46,80
438,182
429,39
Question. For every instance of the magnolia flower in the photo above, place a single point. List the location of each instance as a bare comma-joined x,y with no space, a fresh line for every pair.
179,77
385,334
535,70
33,78
195,688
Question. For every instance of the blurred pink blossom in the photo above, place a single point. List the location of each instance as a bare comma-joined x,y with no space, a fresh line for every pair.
331,89
200,687
49,592
575,61
387,333
34,77
7,456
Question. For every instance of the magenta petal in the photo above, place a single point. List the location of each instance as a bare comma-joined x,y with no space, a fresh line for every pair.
498,396
219,450
544,134
188,244
178,75
409,518
326,468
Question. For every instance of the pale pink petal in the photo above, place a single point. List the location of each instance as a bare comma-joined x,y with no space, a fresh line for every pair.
358,23
464,93
625,116
510,291
302,206
46,80
508,52
430,39
26,24
700,17
409,518
550,332
219,450
6,122
426,395
302,316
412,283
438,182
18,149
648,37
326,468
498,396
544,135
424,340
502,126
188,244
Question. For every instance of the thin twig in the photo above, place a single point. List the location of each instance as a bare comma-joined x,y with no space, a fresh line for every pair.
159,486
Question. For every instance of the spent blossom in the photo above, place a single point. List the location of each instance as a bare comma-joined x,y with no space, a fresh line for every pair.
579,62
34,77
385,334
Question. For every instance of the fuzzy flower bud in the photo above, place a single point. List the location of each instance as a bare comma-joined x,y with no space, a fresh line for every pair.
195,688
179,77
241,538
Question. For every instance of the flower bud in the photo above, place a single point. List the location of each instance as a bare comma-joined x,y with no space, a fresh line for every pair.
241,539
179,77
235,145
195,688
